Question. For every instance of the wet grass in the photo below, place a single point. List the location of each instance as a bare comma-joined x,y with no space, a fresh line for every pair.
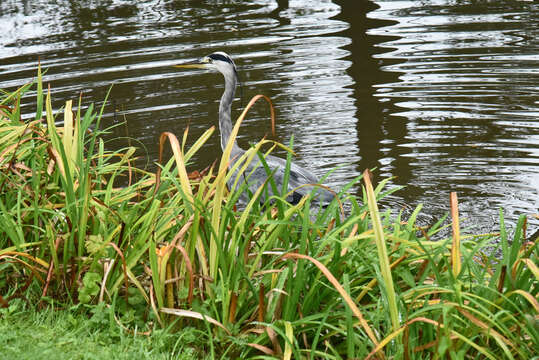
77,333
178,257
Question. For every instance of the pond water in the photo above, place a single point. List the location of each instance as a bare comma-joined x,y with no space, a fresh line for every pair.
441,95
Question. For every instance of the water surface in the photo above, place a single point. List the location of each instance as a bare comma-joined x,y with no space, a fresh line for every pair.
441,95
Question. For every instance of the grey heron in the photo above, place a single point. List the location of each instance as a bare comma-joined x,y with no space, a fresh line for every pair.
301,181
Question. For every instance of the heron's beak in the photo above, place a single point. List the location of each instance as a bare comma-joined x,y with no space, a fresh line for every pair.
199,64
191,66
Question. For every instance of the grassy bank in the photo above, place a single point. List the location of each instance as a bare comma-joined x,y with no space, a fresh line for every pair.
75,333
175,254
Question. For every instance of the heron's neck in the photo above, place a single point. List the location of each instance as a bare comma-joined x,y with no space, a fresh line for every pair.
225,122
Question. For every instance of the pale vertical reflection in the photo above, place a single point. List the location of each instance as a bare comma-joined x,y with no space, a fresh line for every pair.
319,109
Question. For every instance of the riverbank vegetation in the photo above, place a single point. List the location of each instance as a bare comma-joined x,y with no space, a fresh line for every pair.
174,260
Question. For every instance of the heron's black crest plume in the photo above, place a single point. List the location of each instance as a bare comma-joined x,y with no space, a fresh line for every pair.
221,57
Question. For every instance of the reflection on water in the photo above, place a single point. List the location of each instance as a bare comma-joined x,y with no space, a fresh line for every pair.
467,89
440,94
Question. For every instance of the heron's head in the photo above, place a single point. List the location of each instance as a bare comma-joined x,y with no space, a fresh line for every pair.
219,61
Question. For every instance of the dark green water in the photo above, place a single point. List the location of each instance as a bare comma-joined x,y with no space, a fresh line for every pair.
441,95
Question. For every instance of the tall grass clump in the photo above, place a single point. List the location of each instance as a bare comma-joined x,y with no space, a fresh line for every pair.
255,278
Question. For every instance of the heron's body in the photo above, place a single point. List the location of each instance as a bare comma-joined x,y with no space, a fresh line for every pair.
255,174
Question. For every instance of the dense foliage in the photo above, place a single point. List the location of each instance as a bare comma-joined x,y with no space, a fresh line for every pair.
81,227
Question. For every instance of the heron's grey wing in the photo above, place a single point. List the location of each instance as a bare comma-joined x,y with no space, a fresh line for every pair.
301,176
298,176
